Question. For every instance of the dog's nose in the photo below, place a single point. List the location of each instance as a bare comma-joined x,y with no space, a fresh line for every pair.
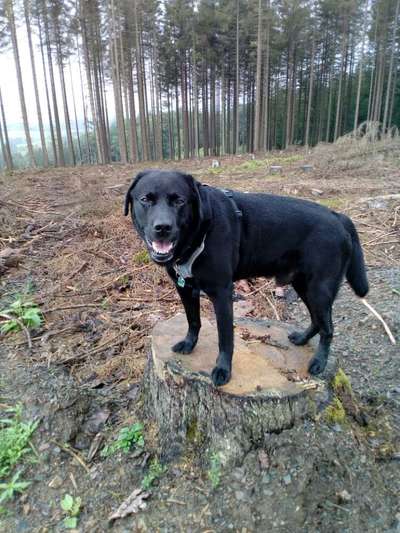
162,228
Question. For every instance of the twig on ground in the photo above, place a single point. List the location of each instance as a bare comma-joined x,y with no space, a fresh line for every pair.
273,308
378,316
21,325
65,307
73,454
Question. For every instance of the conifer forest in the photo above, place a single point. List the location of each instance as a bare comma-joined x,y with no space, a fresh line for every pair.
139,80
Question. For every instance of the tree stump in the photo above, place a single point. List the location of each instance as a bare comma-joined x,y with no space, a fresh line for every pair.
269,391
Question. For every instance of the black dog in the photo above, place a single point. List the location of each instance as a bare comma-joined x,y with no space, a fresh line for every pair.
207,238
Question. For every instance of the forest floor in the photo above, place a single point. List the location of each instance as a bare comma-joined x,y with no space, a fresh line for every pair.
82,264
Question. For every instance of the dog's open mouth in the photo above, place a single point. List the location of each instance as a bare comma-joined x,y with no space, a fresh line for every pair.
161,250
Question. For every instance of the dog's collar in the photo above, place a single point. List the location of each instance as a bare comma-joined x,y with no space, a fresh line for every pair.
184,270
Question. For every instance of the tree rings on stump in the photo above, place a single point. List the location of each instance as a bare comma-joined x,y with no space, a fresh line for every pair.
269,390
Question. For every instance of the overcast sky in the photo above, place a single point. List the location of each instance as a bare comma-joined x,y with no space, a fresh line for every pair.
9,86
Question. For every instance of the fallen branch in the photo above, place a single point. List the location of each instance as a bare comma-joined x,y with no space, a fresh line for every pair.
378,316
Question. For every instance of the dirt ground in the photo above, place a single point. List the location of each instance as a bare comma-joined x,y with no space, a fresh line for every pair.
82,263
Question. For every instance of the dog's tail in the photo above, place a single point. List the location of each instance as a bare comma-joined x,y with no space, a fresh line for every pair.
356,273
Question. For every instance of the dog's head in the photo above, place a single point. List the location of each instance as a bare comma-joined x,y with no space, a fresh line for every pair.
167,208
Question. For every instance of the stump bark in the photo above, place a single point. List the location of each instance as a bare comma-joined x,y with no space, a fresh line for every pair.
269,391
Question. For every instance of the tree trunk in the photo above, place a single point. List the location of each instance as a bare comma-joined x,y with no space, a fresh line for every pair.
258,92
60,147
5,141
52,135
35,84
236,104
116,81
78,138
11,22
310,91
390,75
139,73
339,93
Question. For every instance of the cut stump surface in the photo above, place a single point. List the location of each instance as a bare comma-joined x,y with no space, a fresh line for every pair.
269,390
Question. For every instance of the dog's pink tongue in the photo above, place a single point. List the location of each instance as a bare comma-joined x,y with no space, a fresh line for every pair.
162,247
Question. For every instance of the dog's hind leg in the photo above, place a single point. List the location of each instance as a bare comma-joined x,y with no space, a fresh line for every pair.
320,299
299,338
191,302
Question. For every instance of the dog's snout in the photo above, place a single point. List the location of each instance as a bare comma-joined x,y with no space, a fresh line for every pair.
162,228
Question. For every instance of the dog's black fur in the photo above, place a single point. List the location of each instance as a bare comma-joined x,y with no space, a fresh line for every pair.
246,235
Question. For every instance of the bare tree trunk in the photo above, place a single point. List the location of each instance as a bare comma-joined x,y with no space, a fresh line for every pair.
195,105
60,147
85,118
116,80
266,84
132,111
101,158
257,118
393,97
236,104
11,23
5,141
158,128
35,84
360,69
170,128
339,94
52,135
389,81
142,116
310,92
75,114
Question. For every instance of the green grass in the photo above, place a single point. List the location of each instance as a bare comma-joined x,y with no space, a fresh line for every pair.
22,312
14,440
214,473
15,435
128,437
156,470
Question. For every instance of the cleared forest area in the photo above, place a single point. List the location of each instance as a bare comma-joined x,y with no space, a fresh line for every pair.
82,265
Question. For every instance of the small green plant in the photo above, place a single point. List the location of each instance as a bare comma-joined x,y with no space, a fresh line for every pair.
71,506
8,489
156,470
335,413
14,439
141,258
21,312
214,473
127,438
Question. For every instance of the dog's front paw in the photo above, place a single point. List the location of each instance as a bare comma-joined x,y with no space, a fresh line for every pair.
317,365
184,347
298,338
220,376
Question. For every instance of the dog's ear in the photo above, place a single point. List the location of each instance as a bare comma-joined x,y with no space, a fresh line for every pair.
202,200
128,198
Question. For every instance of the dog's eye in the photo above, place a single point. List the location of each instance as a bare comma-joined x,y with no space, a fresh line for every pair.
147,200
179,201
